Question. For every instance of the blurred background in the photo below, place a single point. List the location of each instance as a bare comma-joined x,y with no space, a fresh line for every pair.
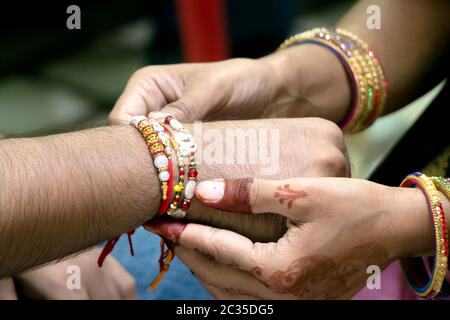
52,78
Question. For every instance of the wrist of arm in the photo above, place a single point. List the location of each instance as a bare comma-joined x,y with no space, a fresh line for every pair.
413,228
312,81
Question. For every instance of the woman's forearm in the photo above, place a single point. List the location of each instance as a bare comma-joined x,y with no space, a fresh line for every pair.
411,45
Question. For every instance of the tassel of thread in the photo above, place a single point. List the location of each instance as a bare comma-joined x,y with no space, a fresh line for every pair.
107,250
109,247
130,242
165,259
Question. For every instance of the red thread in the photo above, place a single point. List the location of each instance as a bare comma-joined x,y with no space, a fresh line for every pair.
107,250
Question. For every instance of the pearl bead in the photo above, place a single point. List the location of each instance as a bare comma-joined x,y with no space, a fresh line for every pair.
178,214
164,176
189,190
157,126
164,137
161,161
176,124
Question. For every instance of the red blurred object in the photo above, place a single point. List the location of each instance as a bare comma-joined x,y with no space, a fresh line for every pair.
203,30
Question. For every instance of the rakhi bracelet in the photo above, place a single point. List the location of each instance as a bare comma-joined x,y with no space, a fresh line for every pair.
173,210
187,147
418,279
160,155
364,70
183,145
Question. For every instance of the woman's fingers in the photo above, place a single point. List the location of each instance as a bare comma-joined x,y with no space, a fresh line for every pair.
221,276
285,197
225,246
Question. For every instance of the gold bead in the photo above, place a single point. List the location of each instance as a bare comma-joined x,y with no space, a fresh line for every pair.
178,187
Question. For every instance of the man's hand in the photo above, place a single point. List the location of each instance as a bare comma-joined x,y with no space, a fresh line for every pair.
309,147
111,282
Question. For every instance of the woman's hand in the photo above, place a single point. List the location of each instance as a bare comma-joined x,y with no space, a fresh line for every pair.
237,88
110,282
336,228
299,82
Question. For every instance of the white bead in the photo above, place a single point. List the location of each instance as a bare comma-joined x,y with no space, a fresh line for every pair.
178,214
164,137
163,176
136,119
157,126
186,142
189,189
161,161
174,123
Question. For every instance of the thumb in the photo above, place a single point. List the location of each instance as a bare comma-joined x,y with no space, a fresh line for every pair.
183,109
253,196
197,100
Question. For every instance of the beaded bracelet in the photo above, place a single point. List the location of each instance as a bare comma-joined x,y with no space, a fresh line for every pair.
162,143
157,143
418,279
363,69
187,147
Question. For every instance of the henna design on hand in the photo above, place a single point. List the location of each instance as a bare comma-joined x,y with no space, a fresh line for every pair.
288,194
321,277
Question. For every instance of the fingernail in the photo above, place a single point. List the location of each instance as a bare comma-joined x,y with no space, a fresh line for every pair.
157,115
212,191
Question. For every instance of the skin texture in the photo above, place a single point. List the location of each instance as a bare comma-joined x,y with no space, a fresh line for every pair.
64,193
328,244
111,282
305,80
7,289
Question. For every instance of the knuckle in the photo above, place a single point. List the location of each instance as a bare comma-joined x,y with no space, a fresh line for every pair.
240,191
333,162
330,132
142,73
213,236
